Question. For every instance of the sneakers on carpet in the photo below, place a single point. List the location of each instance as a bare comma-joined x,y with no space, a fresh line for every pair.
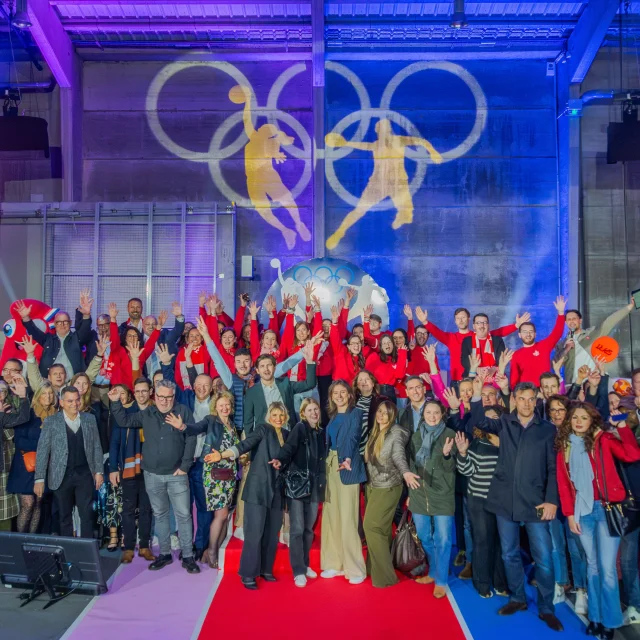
581,607
311,573
239,533
558,594
331,573
358,580
631,616
300,581
190,565
161,562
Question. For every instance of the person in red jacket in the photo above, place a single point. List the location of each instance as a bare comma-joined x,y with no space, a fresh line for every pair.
347,359
389,367
587,482
418,337
534,358
453,341
372,328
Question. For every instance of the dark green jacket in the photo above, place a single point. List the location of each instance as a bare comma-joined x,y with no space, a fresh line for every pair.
436,494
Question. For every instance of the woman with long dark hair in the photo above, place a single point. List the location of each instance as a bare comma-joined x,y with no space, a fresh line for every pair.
388,366
587,480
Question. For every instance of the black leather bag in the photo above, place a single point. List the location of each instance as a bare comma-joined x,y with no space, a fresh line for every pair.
407,553
297,484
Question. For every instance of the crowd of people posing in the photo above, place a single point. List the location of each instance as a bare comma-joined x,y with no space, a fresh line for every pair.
278,424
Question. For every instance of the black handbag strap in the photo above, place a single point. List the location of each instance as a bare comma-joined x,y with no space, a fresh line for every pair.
605,495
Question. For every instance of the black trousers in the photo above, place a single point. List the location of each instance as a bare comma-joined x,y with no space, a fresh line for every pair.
261,529
324,382
302,517
488,566
76,489
134,496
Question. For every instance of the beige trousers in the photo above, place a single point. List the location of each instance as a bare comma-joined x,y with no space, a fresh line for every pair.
341,548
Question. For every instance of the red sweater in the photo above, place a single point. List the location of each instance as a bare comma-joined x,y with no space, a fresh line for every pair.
387,372
325,353
625,449
119,362
373,342
346,367
453,341
529,363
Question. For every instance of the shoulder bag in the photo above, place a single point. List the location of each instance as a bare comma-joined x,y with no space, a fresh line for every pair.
297,484
407,553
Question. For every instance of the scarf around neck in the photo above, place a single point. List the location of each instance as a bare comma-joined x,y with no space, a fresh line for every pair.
488,349
581,473
429,436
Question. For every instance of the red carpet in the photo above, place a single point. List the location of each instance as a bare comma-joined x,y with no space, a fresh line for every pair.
324,608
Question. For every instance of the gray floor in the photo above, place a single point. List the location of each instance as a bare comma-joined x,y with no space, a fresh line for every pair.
32,623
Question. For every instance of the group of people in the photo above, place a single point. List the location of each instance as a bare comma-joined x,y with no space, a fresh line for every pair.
278,424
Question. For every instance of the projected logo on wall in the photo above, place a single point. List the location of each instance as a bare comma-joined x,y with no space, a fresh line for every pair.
267,146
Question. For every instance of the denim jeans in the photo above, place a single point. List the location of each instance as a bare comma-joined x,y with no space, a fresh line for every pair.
468,537
602,577
559,552
169,489
629,565
541,550
578,558
302,516
436,536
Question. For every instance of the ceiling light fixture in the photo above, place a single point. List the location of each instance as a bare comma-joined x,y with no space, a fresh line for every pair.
458,18
21,20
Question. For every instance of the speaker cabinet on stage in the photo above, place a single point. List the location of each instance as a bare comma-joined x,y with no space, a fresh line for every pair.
623,141
24,133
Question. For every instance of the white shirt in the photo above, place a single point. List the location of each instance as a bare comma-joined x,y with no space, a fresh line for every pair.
74,425
62,358
200,411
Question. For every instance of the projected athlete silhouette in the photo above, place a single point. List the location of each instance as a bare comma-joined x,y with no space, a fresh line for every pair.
389,178
264,184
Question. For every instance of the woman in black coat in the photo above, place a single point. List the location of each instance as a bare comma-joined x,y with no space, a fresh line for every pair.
304,450
262,495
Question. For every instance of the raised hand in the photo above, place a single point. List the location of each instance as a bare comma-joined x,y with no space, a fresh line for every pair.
203,330
318,338
350,293
175,421
188,350
134,351
162,318
334,314
502,381
462,444
114,395
293,301
412,344
286,299
560,304
594,380
19,386
176,308
113,311
307,351
270,305
162,351
407,312
341,305
411,479
525,317
253,310
423,316
429,353
474,363
86,302
202,298
23,310
426,378
477,386
451,397
276,464
243,299
28,344
316,303
366,312
448,445
505,358
583,373
308,292
600,364
557,365
101,346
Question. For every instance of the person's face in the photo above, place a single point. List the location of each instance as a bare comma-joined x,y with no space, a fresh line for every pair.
246,334
398,339
302,332
194,338
466,391
202,387
148,325
364,384
157,377
82,385
386,345
354,346
243,365
142,393
218,386
527,334
62,324
134,309
526,403
416,392
223,407
489,396
187,327
57,376
71,404
269,341
432,414
549,387
266,370
573,321
124,396
557,412
462,320
9,370
481,327
165,399
132,338
374,325
326,328
103,328
382,416
311,414
580,421
635,385
277,418
422,335
47,398
340,397
359,331
227,339
614,402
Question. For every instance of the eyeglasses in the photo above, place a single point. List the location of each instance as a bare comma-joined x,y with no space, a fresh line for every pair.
481,323
164,397
559,410
63,322
7,370
103,324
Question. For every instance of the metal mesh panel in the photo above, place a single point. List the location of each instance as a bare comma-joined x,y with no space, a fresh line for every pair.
69,248
123,249
192,287
64,292
199,249
165,255
164,290
120,289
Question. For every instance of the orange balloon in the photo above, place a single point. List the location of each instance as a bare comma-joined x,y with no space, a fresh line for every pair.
605,348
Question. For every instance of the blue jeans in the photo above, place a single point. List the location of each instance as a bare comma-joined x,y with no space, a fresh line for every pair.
468,537
540,543
436,536
602,577
578,558
203,517
558,552
629,565
162,491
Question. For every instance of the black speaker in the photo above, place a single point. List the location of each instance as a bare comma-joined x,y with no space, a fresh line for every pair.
623,141
24,133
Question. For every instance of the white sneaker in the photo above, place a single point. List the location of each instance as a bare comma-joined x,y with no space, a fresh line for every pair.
359,580
331,573
631,616
311,573
558,594
238,533
300,581
284,538
175,543
581,606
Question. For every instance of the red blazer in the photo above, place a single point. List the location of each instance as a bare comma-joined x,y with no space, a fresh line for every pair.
625,449
345,366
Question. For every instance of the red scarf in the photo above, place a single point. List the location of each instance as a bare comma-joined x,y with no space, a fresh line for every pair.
488,358
201,361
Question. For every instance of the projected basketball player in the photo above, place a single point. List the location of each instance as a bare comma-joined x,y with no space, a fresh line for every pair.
389,178
264,184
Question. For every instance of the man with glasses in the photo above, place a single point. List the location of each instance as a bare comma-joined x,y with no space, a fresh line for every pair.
486,347
11,369
168,456
64,347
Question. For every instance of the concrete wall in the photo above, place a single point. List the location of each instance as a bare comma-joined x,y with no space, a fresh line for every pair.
611,207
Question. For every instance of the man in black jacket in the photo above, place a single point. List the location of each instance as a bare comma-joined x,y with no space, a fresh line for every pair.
487,348
524,490
63,347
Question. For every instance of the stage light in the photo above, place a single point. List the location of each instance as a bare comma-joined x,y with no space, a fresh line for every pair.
458,18
21,20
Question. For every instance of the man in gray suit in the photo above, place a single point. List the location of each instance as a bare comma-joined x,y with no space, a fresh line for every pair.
69,448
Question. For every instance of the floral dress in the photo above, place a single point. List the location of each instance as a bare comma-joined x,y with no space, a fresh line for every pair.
219,493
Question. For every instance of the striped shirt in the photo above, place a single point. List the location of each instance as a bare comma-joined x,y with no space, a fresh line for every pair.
479,465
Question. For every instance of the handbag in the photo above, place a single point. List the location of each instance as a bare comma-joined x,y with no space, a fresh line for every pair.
297,484
407,553
29,459
218,473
